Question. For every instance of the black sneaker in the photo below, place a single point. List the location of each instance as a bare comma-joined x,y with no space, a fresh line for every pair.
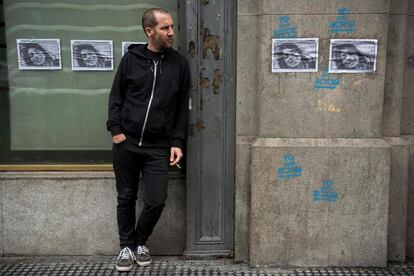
143,256
125,260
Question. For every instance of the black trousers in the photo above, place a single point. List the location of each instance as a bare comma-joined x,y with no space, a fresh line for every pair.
129,161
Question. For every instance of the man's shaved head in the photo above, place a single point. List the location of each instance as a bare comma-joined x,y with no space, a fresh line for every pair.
148,18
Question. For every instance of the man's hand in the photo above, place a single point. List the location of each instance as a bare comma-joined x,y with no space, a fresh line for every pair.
119,138
176,155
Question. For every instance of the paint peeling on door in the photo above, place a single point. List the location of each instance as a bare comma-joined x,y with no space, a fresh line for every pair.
211,42
217,81
191,49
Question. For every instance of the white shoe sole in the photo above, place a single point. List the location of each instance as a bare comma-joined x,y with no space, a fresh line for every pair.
123,268
147,263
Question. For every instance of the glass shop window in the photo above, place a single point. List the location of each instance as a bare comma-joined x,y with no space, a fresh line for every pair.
57,63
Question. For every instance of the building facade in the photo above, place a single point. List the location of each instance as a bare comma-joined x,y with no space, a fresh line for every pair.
300,131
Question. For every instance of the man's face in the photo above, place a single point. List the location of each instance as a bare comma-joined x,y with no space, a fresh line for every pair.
349,58
292,58
36,56
89,57
161,36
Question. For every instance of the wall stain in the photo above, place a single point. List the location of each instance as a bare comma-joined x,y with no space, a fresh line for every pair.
356,86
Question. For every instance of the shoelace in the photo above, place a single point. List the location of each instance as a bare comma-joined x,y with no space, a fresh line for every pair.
142,250
126,253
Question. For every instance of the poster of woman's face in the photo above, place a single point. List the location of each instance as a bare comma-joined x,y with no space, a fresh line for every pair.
353,55
295,55
39,54
92,55
126,44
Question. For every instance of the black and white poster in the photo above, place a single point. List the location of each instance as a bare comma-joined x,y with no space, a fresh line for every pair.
353,56
39,54
295,55
92,55
125,45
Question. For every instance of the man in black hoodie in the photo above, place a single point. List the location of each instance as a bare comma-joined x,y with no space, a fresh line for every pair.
148,122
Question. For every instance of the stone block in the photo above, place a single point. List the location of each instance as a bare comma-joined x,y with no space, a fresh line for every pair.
410,200
58,214
317,7
319,202
75,214
411,8
394,78
354,109
246,119
407,114
247,7
397,221
399,7
242,207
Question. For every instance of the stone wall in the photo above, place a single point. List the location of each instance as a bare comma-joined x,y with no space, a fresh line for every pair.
332,138
75,214
407,122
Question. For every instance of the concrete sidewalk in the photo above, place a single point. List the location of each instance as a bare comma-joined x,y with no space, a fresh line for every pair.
164,266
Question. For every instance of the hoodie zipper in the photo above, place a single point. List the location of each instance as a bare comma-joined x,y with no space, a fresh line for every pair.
149,104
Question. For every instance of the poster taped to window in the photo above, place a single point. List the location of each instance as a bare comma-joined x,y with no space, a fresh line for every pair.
39,54
92,55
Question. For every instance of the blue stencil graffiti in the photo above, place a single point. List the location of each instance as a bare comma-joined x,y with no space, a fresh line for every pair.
343,23
286,29
290,169
325,193
326,81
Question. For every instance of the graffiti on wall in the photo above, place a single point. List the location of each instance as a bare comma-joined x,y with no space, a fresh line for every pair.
328,96
326,193
326,81
290,168
286,28
328,102
342,23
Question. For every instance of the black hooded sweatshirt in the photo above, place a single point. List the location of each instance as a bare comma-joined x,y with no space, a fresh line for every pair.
149,96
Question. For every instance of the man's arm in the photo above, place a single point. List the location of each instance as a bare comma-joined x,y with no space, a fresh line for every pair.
181,118
116,99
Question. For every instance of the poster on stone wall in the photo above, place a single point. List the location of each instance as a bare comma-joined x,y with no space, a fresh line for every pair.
92,55
353,55
295,55
39,54
126,44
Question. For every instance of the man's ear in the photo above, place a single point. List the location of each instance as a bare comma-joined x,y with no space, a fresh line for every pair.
148,31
